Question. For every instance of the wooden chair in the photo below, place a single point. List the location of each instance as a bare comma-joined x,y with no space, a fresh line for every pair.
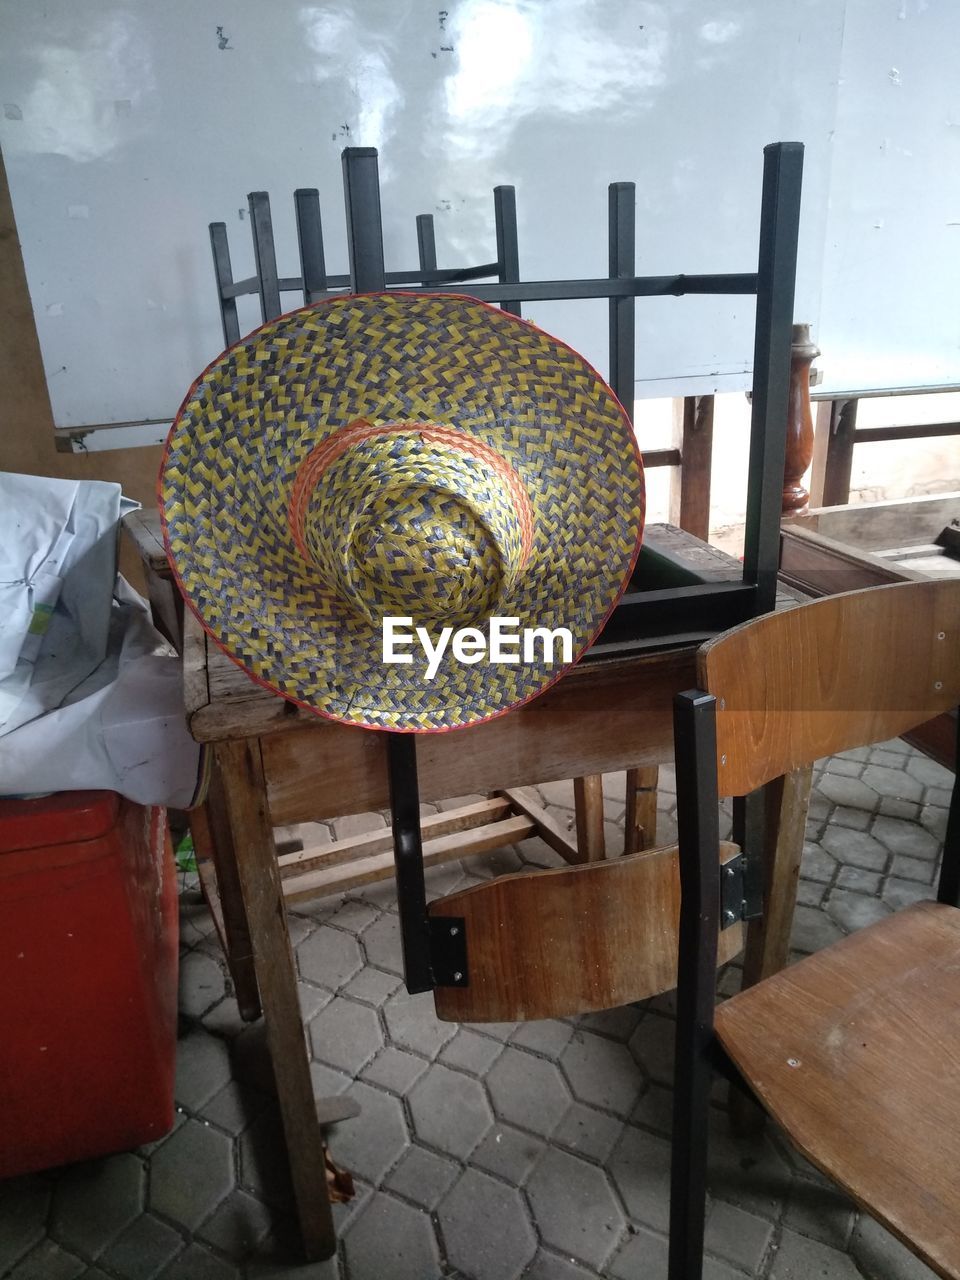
855,1050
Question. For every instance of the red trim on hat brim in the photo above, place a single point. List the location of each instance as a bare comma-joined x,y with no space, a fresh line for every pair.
306,706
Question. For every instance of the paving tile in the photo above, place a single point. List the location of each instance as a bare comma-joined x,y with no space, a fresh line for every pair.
588,1132
458,802
381,942
238,1225
202,984
466,1216
617,1024
357,824
574,1208
602,1072
449,1111
928,771
843,767
224,1019
23,1211
937,796
48,1262
203,1068
528,1091
821,1210
198,1263
191,1173
853,911
395,1070
423,1176
655,1110
748,1173
852,792
558,793
550,1266
508,1152
810,894
501,1031
881,1254
934,818
812,930
235,1107
548,1036
95,1201
329,957
644,1254
892,782
372,986
144,1249
859,881
537,853
413,1024
817,864
287,1266
738,1237
652,1046
640,1168
264,1164
858,819
904,837
906,809
800,1258
346,1035
856,848
327,1082
392,1239
913,869
372,1142
470,1052
903,893
487,866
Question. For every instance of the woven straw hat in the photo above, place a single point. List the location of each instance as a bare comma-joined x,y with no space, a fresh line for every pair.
413,455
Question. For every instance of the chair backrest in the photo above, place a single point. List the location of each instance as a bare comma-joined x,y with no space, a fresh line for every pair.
841,672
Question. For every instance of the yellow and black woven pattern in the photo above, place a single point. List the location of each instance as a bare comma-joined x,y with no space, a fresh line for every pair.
421,455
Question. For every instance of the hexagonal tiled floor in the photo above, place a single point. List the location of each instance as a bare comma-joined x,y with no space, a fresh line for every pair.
536,1151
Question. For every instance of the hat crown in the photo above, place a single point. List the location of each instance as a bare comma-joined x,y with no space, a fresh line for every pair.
411,519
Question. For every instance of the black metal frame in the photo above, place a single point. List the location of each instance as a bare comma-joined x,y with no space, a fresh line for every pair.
692,605
702,912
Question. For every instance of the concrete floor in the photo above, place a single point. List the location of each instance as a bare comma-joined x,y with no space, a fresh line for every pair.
489,1152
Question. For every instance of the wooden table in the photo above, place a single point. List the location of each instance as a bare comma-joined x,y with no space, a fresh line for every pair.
274,764
831,549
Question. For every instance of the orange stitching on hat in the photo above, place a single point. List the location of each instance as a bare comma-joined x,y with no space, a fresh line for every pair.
324,455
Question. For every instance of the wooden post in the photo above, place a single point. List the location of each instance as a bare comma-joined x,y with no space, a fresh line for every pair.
588,802
640,823
799,422
833,453
690,483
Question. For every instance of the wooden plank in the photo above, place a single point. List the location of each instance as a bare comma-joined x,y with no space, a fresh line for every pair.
837,673
690,484
610,716
144,530
552,944
357,847
196,689
548,829
854,1052
588,806
874,525
248,841
822,566
640,821
461,844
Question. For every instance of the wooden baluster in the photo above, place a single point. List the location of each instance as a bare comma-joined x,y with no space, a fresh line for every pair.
799,422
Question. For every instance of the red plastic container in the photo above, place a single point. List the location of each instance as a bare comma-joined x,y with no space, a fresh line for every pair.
88,999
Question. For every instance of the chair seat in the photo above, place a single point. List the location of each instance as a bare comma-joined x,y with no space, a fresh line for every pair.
828,1045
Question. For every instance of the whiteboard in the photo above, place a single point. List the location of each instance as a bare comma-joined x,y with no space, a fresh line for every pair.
891,273
129,126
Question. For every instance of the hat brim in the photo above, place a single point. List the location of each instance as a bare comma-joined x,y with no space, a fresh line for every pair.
260,408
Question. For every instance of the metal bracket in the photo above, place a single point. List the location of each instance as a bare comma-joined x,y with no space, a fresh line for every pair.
732,902
448,951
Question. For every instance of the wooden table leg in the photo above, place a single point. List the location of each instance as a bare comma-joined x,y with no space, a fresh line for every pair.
248,842
588,803
221,888
768,939
640,823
